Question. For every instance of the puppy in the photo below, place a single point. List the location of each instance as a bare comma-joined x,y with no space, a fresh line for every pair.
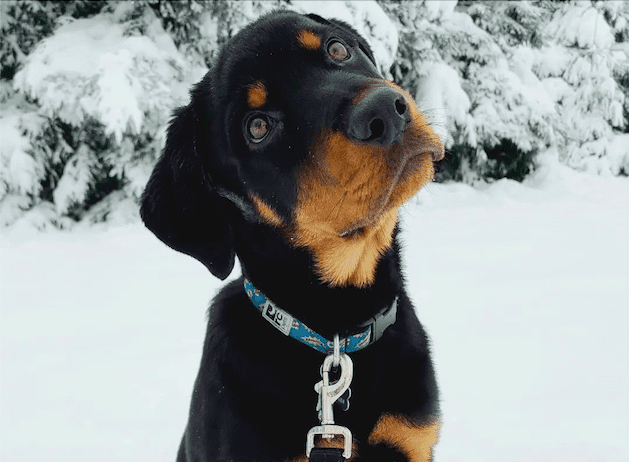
295,154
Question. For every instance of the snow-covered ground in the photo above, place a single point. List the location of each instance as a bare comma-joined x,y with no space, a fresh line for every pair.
524,289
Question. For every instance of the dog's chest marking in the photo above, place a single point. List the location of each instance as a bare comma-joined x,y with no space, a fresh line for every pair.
414,441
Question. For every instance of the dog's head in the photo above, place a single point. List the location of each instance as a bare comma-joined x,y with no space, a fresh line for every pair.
294,129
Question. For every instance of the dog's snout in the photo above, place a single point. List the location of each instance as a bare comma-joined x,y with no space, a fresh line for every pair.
381,117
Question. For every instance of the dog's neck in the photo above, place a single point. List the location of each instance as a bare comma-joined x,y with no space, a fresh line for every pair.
287,276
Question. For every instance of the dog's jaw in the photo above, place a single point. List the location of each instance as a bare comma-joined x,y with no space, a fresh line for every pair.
348,204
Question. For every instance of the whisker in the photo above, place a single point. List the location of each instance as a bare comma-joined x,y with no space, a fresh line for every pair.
338,204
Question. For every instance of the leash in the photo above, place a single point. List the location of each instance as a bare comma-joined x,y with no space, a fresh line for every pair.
337,360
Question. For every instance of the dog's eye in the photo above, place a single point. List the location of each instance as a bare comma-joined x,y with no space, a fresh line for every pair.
338,51
258,128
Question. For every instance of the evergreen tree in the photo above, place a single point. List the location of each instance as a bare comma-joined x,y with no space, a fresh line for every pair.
518,79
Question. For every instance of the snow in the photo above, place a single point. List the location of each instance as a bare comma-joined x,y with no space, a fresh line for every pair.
605,156
75,181
441,10
441,97
20,171
12,206
523,288
581,25
18,167
557,89
91,67
552,60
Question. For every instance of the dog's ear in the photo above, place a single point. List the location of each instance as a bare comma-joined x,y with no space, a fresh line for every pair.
179,204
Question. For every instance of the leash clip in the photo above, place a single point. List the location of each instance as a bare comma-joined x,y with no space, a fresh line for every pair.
329,393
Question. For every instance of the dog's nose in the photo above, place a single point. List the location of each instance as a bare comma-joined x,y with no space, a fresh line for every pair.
381,117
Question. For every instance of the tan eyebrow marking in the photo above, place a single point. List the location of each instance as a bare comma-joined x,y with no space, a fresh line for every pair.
257,95
309,40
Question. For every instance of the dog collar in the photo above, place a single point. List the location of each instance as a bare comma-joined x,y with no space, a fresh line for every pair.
369,332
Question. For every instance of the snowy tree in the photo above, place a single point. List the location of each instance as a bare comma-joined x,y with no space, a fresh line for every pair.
512,79
106,92
591,94
25,23
467,61
200,28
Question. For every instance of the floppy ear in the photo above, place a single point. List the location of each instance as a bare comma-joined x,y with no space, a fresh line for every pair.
179,204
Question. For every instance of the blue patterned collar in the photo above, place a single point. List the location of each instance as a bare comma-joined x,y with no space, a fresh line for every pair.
291,327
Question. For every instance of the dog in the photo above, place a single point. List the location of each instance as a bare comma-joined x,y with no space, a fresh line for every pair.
295,155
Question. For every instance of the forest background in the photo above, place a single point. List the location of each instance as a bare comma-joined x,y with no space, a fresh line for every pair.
87,89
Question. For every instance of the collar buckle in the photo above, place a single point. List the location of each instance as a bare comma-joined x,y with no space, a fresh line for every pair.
380,322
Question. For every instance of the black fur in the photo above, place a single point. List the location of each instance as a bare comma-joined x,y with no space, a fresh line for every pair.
253,399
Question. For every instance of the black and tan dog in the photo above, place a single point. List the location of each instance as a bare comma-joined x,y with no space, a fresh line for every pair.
295,155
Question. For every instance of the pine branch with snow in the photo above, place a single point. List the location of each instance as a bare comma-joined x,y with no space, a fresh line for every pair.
511,79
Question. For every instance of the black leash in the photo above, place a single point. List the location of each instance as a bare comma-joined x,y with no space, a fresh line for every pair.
326,455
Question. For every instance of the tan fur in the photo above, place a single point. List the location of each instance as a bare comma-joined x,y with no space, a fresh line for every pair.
265,211
257,95
414,441
309,40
